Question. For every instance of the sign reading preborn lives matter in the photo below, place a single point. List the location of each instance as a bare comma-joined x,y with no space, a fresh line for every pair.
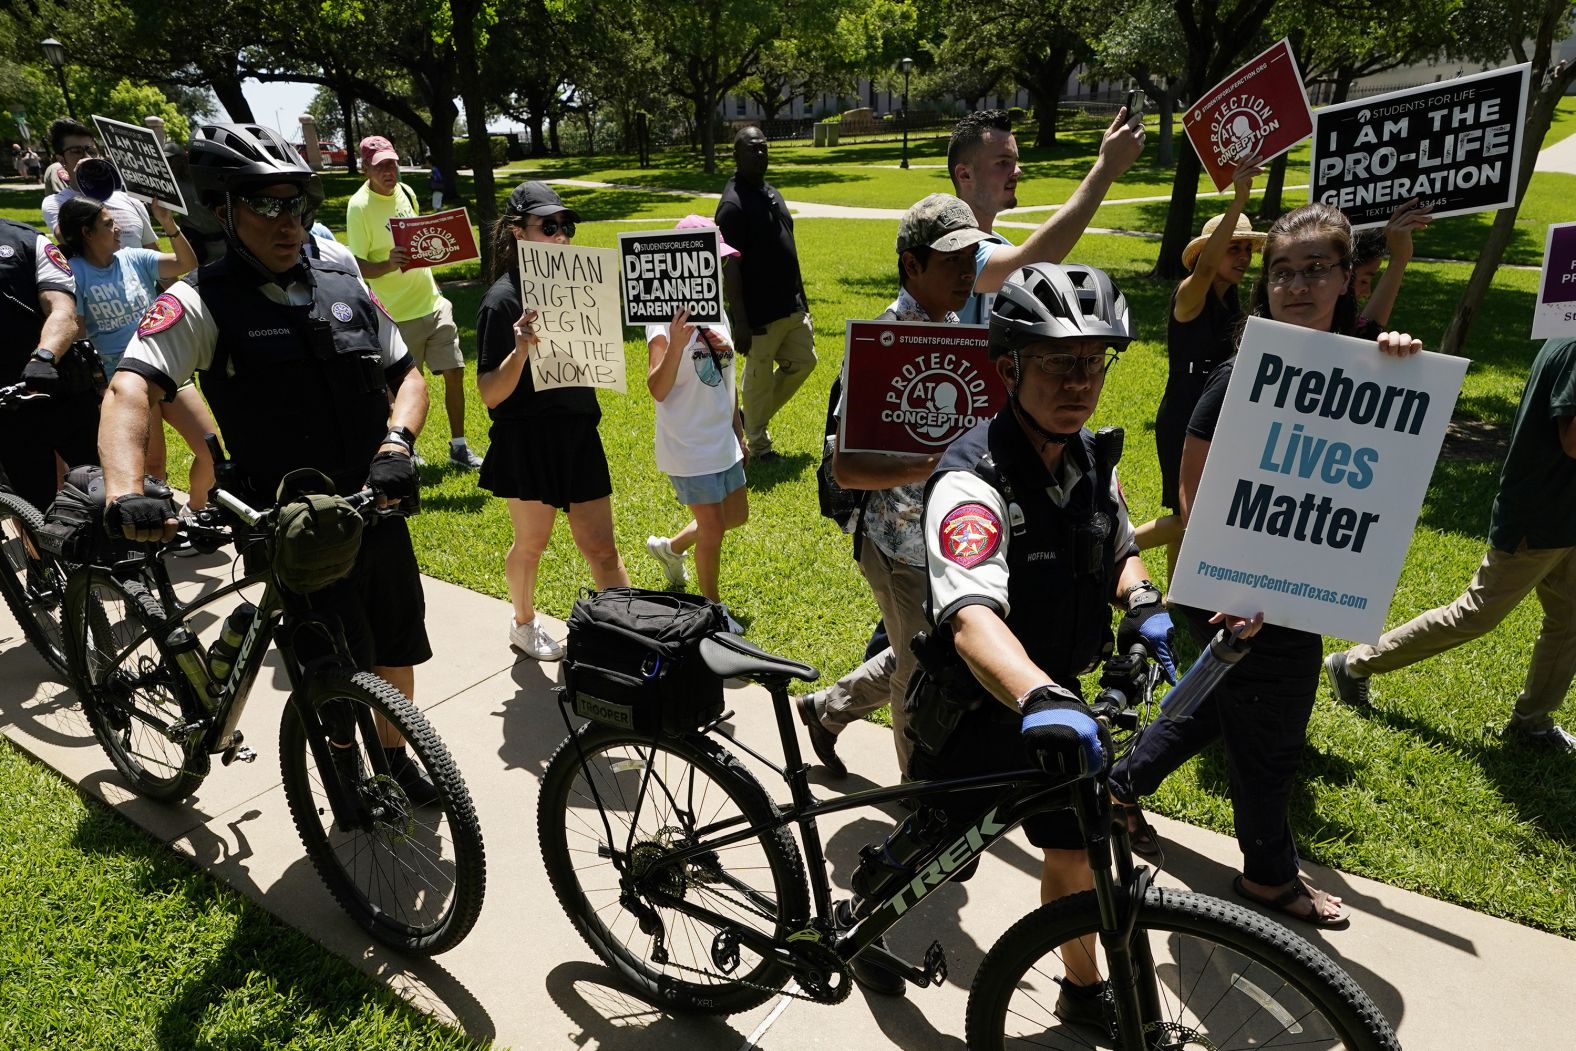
1314,480
575,294
664,270
435,239
1555,314
1455,145
137,155
1261,108
914,387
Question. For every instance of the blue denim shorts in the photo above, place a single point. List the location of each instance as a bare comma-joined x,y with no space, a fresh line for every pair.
708,488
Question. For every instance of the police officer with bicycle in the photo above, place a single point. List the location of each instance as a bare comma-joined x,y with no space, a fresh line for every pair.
298,362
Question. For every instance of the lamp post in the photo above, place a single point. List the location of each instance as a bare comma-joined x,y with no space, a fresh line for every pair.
905,65
55,55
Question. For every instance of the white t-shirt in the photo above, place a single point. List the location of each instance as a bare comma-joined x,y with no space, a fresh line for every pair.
131,216
695,421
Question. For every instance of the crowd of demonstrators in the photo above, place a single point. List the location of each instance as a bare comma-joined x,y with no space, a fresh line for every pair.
700,441
410,293
544,452
114,288
771,316
88,174
1201,332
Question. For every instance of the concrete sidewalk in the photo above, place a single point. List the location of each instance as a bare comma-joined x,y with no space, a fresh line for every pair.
1447,977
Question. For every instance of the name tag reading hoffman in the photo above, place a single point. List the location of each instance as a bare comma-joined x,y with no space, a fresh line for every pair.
914,387
1315,478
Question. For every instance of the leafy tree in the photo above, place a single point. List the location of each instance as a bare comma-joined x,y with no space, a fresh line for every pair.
1038,42
1144,41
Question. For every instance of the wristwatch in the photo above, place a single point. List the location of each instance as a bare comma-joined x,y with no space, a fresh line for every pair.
46,356
1142,585
402,436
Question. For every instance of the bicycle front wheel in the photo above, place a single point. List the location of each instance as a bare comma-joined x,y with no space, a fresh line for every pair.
412,875
1226,978
606,825
134,695
33,582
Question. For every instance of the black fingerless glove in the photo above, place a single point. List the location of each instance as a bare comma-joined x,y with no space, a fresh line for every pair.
41,376
131,513
393,475
1060,734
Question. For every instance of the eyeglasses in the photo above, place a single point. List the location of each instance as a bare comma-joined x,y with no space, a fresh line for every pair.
550,227
1065,364
273,207
79,151
1313,274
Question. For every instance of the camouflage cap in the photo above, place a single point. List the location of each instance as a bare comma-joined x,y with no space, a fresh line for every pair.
940,222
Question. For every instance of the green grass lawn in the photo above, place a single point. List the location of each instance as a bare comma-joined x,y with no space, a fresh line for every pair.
1421,795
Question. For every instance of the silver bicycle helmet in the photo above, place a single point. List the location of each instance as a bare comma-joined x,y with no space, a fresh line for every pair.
1058,301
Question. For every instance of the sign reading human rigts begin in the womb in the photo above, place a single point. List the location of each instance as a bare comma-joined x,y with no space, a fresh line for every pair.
1454,145
1315,476
580,341
1260,108
914,387
665,270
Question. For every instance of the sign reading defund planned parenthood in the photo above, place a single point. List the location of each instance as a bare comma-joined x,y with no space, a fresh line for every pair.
1455,145
1314,480
665,270
575,294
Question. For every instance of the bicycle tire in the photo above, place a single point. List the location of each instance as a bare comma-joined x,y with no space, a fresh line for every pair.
131,690
1254,981
33,582
414,877
569,827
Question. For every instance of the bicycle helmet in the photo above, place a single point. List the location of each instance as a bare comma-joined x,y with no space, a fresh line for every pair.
1044,301
233,159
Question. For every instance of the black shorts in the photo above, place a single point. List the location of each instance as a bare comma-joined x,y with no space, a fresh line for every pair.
555,460
380,605
988,740
34,431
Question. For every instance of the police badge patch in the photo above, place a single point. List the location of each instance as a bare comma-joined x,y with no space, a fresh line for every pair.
54,255
970,534
162,313
341,311
6,251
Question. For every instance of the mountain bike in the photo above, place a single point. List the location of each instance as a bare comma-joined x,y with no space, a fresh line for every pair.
680,872
412,875
31,579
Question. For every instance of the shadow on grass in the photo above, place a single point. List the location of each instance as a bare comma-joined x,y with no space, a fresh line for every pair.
788,468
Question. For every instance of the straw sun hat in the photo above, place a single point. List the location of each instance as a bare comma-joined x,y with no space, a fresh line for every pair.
1243,232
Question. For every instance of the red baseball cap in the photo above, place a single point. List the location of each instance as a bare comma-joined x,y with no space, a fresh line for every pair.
375,149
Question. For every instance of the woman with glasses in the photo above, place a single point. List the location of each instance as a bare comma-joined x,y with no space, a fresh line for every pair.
1260,711
545,454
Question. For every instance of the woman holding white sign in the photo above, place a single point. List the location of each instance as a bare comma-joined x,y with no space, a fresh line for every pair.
1260,710
545,453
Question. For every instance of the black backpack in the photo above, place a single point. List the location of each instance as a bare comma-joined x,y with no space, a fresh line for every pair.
840,505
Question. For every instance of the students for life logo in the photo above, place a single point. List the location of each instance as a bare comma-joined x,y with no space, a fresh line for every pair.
434,245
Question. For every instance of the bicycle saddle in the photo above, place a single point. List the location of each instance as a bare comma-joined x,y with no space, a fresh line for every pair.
731,657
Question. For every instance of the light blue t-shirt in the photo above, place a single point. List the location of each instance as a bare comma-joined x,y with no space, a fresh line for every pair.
977,310
114,298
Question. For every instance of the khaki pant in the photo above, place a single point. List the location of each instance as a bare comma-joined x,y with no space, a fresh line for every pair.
780,361
1499,585
900,590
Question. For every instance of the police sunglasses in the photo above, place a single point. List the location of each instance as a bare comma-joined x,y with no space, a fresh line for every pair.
299,206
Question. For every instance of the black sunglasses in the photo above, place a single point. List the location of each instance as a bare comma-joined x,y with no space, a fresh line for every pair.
550,227
298,206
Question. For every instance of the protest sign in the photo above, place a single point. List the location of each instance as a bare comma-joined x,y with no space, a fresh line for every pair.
435,239
1555,314
1454,145
575,294
137,155
1261,108
914,387
1314,480
664,270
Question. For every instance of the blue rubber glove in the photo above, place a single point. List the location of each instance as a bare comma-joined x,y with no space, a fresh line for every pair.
1151,626
1060,733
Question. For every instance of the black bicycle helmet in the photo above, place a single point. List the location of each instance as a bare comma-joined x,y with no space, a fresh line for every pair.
240,158
1058,301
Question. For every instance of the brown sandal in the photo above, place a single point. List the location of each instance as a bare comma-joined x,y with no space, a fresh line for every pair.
1140,833
1283,902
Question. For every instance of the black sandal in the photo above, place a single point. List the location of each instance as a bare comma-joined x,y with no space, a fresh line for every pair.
1141,834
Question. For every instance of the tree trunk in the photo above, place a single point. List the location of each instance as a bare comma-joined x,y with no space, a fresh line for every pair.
1166,151
533,123
347,111
643,138
1179,217
554,144
474,94
706,128
227,89
1270,207
1345,77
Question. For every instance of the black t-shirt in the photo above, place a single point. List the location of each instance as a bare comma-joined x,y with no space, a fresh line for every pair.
1196,348
1206,414
756,221
500,308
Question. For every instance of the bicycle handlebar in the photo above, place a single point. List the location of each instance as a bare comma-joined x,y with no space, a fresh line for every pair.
19,392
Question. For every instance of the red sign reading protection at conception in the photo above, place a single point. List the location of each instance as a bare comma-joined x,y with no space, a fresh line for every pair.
1260,108
437,239
915,387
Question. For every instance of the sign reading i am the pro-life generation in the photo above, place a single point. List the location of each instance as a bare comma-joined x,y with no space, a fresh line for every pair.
1314,480
580,340
1555,314
914,387
1260,108
137,155
435,239
666,270
1455,145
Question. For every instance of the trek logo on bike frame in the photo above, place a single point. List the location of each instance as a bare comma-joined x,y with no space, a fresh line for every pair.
972,842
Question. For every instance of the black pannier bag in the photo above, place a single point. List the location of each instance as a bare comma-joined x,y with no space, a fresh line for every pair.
633,660
73,528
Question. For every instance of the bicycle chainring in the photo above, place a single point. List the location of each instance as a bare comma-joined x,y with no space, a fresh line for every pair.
821,973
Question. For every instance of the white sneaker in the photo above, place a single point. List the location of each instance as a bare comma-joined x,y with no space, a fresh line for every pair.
672,561
530,639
